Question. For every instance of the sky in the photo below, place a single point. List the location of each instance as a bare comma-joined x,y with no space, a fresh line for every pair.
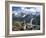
27,10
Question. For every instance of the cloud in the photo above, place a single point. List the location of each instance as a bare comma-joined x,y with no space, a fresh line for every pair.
38,9
26,11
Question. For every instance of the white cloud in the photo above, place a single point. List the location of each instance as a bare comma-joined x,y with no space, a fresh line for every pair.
38,9
22,8
16,13
27,11
32,10
23,15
